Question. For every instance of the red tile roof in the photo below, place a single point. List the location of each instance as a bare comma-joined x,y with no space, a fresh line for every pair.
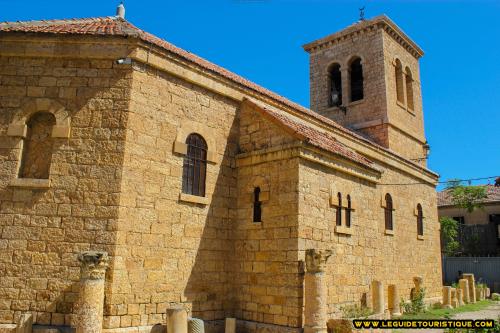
311,135
492,195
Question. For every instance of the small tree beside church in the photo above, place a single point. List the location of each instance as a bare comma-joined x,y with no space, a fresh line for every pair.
469,198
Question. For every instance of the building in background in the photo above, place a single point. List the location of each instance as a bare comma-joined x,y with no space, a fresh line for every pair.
479,231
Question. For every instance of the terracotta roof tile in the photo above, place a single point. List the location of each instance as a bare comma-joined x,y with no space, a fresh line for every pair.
492,195
312,135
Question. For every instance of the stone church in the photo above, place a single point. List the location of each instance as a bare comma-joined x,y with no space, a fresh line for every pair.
202,189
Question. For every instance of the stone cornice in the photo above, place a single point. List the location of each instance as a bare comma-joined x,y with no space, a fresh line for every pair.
379,22
311,154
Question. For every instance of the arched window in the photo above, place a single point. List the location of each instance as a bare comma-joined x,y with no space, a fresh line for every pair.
339,209
420,220
348,212
335,82
37,147
399,82
356,76
388,212
257,205
195,166
409,89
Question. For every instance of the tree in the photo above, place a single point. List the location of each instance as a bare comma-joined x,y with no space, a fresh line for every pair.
449,234
468,197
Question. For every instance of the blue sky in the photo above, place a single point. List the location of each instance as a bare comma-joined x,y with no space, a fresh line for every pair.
261,40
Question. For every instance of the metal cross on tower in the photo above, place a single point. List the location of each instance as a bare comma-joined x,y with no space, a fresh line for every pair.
362,13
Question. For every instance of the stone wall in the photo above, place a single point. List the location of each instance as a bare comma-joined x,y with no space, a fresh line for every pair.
407,134
369,47
378,115
267,273
170,251
43,229
369,253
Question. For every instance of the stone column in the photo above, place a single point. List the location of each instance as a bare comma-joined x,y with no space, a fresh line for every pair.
177,320
464,286
460,298
378,303
346,89
90,303
419,282
393,300
454,299
447,297
230,325
472,287
315,310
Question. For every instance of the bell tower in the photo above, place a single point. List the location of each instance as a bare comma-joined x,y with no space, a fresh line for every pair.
366,78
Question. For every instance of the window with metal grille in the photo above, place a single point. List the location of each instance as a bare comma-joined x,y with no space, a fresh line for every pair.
388,212
339,209
348,212
420,220
257,205
335,81
37,146
195,166
356,80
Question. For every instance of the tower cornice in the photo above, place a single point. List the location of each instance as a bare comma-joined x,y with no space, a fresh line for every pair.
378,22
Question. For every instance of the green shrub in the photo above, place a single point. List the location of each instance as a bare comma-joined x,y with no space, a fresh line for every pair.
355,311
416,304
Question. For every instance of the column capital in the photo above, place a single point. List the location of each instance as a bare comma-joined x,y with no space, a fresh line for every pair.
316,260
93,264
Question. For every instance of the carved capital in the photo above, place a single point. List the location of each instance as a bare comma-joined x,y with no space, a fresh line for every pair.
418,281
316,260
93,264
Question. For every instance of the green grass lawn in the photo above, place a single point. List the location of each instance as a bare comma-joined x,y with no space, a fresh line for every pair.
444,313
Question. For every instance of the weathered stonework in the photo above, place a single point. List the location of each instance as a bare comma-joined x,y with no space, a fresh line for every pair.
115,185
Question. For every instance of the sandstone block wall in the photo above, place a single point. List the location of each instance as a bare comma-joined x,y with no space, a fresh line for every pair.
369,254
267,274
172,252
42,231
116,187
367,46
378,115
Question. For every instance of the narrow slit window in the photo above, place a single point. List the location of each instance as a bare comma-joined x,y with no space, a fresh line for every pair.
195,166
388,212
420,220
335,81
339,209
348,212
356,70
257,205
399,82
37,147
409,89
